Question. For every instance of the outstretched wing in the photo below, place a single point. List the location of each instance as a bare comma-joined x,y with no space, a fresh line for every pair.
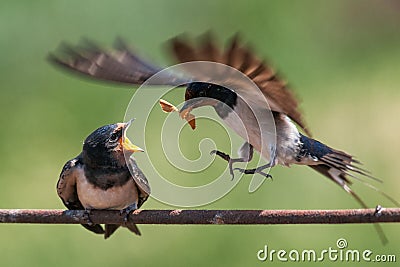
280,97
66,190
120,64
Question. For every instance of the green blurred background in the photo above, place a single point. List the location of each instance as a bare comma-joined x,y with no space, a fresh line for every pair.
341,57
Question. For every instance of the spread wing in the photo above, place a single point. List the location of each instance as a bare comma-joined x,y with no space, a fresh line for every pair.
140,180
120,64
66,190
123,65
242,58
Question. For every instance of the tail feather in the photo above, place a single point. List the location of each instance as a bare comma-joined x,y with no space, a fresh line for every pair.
339,177
391,199
95,228
110,229
346,164
338,166
133,228
339,171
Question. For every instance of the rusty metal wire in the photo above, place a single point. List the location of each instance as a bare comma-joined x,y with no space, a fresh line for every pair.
237,217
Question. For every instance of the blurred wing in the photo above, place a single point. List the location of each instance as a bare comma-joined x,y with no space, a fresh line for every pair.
280,97
117,65
66,190
140,180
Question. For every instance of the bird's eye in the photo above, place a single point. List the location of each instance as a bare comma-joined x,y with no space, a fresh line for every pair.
114,137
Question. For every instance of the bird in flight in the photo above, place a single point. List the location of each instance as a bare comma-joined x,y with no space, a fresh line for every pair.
101,178
123,65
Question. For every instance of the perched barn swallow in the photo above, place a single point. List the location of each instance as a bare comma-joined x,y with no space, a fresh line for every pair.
100,178
292,147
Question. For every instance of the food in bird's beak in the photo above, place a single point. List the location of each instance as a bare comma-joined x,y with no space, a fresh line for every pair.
191,119
185,114
167,107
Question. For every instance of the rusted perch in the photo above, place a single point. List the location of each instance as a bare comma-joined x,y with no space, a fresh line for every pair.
204,216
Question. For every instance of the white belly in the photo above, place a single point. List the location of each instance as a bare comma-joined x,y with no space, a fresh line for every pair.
280,134
248,127
116,198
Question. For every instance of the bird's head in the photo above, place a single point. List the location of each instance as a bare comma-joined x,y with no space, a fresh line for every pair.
108,146
199,94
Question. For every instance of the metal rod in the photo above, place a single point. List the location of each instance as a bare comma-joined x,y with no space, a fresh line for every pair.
237,217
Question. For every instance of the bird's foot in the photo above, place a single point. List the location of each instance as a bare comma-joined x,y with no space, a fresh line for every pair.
229,160
86,217
127,211
246,154
259,170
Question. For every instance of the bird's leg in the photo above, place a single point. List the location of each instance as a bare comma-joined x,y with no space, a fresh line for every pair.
127,211
86,216
245,153
260,169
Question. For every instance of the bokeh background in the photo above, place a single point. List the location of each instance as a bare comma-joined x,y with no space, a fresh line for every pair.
341,57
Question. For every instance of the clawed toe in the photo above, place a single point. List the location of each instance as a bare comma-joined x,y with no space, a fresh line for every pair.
253,171
266,175
246,156
86,216
127,211
232,175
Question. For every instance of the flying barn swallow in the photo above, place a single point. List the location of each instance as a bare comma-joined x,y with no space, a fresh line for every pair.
101,178
292,147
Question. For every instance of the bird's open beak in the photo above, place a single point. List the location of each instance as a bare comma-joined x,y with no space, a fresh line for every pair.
185,110
193,103
184,113
126,143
